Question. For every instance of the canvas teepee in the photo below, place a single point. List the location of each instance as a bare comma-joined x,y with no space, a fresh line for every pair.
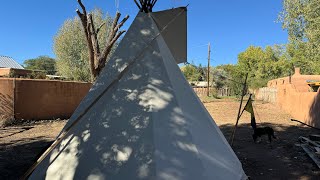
141,119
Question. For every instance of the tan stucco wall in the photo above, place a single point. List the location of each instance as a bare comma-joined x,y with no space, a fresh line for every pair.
43,99
300,105
6,100
4,71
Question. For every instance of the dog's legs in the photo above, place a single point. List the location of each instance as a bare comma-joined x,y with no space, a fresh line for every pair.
269,137
254,138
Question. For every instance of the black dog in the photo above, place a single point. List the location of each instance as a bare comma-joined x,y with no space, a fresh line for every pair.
258,132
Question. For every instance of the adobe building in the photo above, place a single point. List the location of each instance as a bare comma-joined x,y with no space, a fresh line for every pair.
298,95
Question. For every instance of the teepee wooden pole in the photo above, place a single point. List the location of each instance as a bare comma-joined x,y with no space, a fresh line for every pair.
245,106
239,111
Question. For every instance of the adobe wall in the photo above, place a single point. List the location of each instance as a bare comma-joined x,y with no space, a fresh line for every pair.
293,95
4,71
303,106
41,99
6,100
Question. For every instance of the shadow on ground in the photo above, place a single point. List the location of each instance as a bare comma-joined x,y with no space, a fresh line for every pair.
283,159
16,157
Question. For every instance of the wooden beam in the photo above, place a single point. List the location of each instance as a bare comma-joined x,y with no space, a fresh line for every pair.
306,140
312,155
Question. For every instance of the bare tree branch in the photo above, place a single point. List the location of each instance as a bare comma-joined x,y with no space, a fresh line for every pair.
83,7
101,25
103,59
113,36
117,36
86,28
112,29
121,23
94,39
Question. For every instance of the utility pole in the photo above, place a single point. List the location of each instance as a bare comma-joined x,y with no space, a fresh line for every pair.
208,73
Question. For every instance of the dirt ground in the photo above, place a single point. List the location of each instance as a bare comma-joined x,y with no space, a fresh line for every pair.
20,145
284,159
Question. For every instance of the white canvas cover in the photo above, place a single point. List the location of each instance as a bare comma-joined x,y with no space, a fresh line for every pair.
141,120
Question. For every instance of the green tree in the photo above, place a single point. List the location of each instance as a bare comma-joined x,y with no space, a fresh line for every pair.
301,19
70,46
42,63
232,77
219,77
192,73
263,65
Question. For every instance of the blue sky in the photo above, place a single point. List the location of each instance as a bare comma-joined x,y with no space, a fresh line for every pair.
28,27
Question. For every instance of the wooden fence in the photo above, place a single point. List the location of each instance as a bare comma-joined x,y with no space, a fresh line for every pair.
267,94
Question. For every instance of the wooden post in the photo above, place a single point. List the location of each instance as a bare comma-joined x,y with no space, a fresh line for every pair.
239,111
289,77
208,73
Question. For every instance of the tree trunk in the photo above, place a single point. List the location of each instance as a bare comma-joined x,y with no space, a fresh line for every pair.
97,60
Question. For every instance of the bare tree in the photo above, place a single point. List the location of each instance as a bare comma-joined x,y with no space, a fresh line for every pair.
97,59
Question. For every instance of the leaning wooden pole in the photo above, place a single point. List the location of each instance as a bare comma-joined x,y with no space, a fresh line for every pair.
208,73
239,111
304,124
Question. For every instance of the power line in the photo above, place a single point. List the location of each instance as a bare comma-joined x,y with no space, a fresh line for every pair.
229,79
203,45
